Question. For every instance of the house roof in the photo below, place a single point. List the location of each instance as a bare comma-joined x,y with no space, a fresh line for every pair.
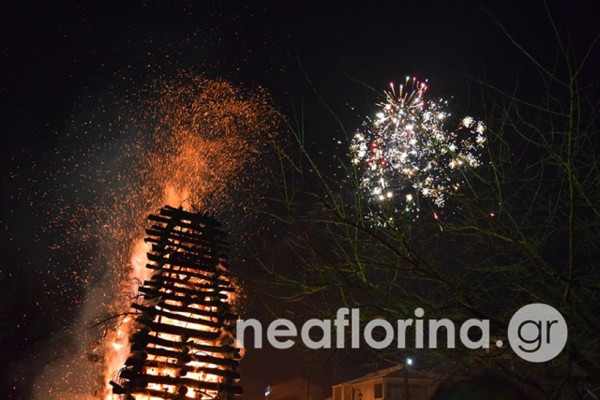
392,372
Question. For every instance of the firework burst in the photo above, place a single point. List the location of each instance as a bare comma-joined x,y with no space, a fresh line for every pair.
407,156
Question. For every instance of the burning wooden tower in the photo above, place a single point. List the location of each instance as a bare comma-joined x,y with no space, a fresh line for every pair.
182,345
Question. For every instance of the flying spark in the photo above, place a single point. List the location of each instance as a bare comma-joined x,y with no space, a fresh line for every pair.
184,141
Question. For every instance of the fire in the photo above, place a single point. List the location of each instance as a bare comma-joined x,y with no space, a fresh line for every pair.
182,339
175,198
117,342
209,140
119,345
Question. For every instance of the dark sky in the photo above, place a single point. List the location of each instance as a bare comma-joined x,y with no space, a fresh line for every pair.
62,59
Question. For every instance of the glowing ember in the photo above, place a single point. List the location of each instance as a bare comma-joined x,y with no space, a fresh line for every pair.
209,141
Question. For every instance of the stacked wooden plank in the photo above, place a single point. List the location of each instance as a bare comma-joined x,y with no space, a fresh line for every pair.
183,342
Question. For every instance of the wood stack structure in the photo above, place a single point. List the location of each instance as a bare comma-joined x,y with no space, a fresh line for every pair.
182,345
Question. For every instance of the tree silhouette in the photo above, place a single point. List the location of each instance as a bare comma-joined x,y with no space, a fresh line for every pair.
522,228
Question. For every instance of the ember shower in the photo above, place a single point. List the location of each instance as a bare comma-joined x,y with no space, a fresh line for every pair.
197,144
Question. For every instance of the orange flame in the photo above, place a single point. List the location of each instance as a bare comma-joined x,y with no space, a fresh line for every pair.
210,139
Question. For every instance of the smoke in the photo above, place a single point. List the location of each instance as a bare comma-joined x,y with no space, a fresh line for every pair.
74,373
184,140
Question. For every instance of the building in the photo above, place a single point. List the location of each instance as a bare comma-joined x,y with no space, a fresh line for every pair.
295,389
396,383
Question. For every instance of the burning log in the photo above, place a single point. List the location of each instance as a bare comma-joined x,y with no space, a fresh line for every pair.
143,340
177,316
188,309
161,279
183,299
180,272
179,382
184,340
176,239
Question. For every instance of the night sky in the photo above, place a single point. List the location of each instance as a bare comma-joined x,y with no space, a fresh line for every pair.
67,67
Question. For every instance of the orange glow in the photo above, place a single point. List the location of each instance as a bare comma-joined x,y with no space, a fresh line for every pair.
209,140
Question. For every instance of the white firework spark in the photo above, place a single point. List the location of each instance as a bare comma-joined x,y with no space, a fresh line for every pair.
406,154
